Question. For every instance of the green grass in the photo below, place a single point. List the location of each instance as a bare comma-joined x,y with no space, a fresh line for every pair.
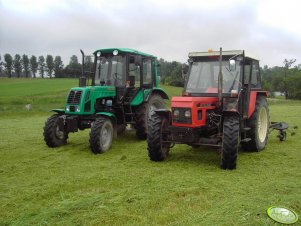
71,186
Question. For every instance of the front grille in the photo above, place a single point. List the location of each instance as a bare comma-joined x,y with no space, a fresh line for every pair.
181,118
74,97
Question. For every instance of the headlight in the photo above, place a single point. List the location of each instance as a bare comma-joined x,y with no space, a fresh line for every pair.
176,113
77,109
115,52
187,114
67,108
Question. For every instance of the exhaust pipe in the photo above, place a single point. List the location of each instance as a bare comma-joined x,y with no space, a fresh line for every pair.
82,78
220,78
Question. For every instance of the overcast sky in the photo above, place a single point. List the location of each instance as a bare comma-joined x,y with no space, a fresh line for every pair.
169,29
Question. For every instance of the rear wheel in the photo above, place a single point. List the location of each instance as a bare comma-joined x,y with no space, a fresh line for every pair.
143,113
53,136
157,148
101,135
230,142
121,128
259,124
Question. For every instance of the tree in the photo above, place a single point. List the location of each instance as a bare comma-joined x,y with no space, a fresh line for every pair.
17,65
41,66
88,63
49,65
171,73
25,65
73,69
58,67
1,63
33,65
287,65
8,64
73,61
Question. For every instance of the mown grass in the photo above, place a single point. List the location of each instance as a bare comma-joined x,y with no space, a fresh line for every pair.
71,186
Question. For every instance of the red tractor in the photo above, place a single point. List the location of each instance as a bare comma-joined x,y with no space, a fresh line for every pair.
223,105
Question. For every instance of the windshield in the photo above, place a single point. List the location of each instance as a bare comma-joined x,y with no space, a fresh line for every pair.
110,71
203,77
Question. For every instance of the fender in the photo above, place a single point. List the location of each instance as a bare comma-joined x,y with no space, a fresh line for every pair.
144,94
107,115
59,111
157,91
252,102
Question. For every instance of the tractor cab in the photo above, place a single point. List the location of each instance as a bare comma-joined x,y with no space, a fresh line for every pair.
203,75
220,83
127,70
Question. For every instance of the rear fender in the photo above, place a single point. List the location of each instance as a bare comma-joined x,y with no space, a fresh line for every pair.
159,92
252,102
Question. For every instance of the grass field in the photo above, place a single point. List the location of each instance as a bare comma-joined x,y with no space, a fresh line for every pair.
71,186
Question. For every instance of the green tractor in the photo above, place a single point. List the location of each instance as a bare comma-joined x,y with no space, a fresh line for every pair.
123,91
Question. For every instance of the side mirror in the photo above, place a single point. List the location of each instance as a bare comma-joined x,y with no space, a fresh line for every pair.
82,78
232,65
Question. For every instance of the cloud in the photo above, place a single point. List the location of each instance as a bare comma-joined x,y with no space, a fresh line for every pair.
168,29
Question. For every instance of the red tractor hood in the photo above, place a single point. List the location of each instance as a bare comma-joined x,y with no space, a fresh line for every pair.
198,107
194,102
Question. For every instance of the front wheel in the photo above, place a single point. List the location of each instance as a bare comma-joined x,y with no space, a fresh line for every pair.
157,146
53,136
230,143
101,135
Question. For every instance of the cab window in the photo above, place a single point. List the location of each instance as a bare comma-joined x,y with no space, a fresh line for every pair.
254,74
147,72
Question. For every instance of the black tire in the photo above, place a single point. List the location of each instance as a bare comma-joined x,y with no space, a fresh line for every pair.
157,149
120,128
259,124
231,136
52,135
101,135
143,112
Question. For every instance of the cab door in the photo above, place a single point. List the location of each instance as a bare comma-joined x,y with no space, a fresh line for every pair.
148,73
251,84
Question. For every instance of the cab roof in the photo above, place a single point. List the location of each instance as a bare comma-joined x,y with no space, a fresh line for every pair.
225,53
124,50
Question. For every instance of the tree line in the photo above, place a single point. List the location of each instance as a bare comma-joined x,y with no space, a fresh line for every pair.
286,79
33,67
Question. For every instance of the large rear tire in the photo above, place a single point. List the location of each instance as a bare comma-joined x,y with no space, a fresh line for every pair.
157,149
231,136
143,113
259,124
101,135
52,134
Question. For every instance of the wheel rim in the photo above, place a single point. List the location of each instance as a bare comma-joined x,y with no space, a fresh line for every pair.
59,134
262,125
105,136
